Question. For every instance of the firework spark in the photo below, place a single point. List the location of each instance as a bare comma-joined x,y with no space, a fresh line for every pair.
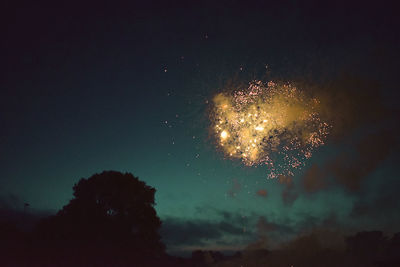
272,124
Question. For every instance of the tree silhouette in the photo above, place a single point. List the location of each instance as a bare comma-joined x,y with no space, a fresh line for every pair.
108,208
367,244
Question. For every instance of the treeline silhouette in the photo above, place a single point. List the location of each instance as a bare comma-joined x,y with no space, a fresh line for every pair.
364,249
111,221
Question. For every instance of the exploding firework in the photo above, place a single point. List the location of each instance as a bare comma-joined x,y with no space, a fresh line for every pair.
272,124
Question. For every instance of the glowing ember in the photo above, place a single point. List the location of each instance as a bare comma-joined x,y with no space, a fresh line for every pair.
267,124
224,135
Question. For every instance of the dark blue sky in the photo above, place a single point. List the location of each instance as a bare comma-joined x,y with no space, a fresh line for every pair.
92,88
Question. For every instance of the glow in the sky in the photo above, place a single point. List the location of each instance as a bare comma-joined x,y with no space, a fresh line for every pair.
272,124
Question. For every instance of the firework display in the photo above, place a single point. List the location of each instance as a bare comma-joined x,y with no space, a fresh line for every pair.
268,123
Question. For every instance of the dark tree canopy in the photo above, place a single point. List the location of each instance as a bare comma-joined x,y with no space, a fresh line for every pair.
111,208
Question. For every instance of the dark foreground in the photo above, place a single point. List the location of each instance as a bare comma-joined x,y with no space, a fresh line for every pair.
29,253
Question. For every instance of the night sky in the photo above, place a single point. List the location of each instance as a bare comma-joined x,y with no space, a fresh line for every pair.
129,88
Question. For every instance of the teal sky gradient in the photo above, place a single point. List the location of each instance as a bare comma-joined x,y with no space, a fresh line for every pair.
131,92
